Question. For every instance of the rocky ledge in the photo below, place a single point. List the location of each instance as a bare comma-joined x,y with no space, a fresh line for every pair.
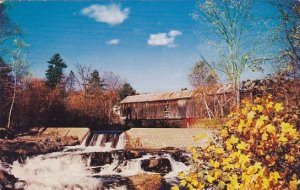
22,147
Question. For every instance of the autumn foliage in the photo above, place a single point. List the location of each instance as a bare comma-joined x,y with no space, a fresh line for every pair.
258,148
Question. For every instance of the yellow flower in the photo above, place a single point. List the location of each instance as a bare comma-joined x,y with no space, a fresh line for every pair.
271,129
181,175
229,123
278,107
244,158
210,179
282,138
274,176
288,128
175,187
259,108
270,105
228,167
219,151
234,184
241,126
229,147
233,139
183,182
293,184
264,137
226,161
224,133
217,174
265,183
194,182
251,115
216,164
242,146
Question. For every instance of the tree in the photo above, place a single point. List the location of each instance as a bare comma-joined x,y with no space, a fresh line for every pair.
126,90
201,75
112,81
288,33
95,82
203,78
54,72
6,88
8,29
71,81
19,70
230,22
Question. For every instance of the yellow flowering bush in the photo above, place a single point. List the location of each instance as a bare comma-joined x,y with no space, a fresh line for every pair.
258,148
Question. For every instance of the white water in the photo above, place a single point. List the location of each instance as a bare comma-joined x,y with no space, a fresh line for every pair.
121,142
70,169
64,172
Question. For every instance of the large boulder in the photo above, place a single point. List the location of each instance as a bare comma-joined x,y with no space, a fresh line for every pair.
157,165
145,182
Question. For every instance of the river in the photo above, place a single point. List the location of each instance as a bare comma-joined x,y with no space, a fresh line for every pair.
100,162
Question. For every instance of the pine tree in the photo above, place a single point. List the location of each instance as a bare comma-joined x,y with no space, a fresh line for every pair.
95,81
127,90
54,72
71,81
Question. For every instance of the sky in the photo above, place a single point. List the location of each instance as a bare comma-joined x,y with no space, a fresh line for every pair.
150,44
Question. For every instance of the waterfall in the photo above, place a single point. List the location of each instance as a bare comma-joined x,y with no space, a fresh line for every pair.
100,162
121,142
107,142
51,172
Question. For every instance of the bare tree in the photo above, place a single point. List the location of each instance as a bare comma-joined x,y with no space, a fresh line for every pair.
288,33
19,70
112,81
230,20
202,77
84,74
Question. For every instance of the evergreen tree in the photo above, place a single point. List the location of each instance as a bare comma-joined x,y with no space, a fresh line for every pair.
127,90
54,72
95,81
71,80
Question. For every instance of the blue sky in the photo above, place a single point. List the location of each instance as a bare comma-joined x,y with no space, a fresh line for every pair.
151,44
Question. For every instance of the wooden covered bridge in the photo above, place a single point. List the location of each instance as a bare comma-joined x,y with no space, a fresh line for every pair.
168,109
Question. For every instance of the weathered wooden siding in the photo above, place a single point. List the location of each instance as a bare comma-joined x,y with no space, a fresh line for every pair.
177,109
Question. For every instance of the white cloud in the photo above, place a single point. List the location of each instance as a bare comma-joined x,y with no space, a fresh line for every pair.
164,39
110,14
113,42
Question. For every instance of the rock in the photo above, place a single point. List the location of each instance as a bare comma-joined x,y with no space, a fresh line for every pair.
101,158
145,182
7,181
157,165
128,155
181,156
11,150
6,134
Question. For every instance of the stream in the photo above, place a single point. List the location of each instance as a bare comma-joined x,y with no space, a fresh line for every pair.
100,162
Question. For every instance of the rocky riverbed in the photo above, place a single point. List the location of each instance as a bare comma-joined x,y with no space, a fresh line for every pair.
20,148
52,162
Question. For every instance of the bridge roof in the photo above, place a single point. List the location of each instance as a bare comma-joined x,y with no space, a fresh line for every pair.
153,97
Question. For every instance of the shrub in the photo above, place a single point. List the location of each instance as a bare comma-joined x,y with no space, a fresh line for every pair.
258,148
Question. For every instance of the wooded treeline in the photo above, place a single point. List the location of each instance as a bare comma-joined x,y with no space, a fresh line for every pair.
82,98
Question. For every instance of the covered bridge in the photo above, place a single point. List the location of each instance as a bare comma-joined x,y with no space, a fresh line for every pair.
159,106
